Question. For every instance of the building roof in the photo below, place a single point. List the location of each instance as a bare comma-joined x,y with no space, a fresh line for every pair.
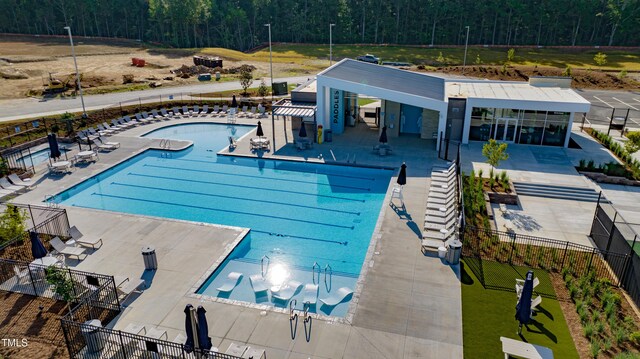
295,109
387,78
512,91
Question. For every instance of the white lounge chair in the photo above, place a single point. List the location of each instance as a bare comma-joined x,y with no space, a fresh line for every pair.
232,281
186,112
205,110
288,291
66,250
535,303
176,112
19,182
258,283
216,109
106,146
79,238
20,274
196,111
125,286
224,110
4,183
165,114
516,348
310,294
336,297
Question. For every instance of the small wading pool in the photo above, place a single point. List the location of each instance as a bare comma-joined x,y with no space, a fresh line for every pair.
38,157
300,214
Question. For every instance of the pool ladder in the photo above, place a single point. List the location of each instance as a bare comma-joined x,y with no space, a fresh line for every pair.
52,200
165,144
327,269
264,269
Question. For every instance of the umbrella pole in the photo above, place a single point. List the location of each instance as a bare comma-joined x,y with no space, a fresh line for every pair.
194,327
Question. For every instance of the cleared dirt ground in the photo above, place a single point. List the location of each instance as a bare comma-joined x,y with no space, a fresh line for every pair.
25,64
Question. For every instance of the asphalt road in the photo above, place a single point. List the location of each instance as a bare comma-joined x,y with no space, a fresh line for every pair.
32,107
603,104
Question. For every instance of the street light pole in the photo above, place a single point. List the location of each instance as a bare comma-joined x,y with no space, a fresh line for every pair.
466,43
75,63
270,58
331,44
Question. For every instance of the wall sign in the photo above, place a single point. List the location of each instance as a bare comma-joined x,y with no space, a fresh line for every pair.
337,111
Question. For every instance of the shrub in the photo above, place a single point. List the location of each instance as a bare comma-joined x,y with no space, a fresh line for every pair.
600,59
12,223
619,336
635,337
263,90
567,71
582,164
127,79
511,54
622,74
627,355
590,165
633,143
573,291
599,327
594,349
610,310
606,344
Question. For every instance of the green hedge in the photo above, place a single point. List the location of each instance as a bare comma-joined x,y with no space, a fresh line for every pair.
632,164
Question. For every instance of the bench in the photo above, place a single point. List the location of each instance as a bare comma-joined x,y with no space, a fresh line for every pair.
524,350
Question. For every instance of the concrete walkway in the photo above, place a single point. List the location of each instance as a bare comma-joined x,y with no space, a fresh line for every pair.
409,304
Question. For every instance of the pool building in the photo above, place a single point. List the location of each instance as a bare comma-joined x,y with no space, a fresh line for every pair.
538,112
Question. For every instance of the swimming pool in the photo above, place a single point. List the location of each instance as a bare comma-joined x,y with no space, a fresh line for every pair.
299,213
38,157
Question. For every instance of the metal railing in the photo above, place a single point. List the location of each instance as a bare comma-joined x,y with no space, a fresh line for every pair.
611,232
485,245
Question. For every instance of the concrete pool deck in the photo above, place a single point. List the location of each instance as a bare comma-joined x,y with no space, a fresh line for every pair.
409,306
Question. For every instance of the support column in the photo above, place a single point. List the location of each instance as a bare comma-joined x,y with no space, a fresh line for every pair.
569,126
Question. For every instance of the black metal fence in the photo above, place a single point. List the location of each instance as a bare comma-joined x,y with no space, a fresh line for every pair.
449,150
48,222
484,246
611,232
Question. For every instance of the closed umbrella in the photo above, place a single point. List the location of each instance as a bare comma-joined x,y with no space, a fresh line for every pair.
203,329
303,131
190,327
259,131
523,308
53,146
402,177
383,135
37,248
234,102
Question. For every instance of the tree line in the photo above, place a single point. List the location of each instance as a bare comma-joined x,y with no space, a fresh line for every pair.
239,24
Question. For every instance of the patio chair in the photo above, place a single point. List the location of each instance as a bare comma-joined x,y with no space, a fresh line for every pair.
439,213
261,111
437,205
116,124
431,244
205,110
21,274
128,122
288,291
4,183
337,297
231,282
436,226
244,112
155,115
215,111
106,146
441,236
252,112
104,131
125,286
165,114
186,112
19,182
67,251
310,294
148,118
232,143
79,238
396,192
176,112
140,119
258,283
441,196
196,111
224,110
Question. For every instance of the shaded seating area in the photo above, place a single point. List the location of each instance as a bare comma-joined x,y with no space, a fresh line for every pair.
260,143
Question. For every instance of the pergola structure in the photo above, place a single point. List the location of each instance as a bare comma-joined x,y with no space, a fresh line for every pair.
287,108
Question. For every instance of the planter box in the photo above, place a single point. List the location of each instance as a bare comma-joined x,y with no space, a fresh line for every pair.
506,198
603,178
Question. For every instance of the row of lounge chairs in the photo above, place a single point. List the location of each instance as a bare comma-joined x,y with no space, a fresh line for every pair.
441,215
286,291
13,185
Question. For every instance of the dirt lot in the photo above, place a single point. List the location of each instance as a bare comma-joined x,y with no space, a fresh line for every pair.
25,64
21,318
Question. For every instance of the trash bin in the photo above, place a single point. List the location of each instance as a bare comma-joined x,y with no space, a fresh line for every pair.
442,252
454,251
92,335
149,257
328,135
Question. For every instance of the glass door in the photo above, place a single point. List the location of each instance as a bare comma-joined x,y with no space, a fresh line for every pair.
506,129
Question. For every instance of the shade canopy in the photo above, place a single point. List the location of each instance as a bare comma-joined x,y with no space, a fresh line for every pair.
383,135
402,177
303,130
259,131
37,248
203,329
523,308
53,146
189,325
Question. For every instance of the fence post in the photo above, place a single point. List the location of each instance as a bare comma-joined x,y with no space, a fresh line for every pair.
64,324
613,226
31,214
33,282
566,249
115,291
124,348
593,253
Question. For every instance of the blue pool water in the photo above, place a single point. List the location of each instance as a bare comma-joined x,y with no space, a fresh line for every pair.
38,157
299,213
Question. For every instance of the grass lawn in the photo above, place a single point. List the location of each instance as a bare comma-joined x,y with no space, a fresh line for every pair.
488,314
362,101
305,54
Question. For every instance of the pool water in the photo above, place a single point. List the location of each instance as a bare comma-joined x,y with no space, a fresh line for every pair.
38,157
300,214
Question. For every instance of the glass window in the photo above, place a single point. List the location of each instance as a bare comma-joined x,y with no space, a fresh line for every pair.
531,132
554,133
481,119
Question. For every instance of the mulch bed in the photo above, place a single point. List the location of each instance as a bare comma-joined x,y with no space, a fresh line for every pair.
570,315
35,319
